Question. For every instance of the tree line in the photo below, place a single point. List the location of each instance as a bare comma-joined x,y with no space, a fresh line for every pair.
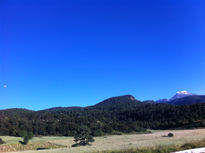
101,119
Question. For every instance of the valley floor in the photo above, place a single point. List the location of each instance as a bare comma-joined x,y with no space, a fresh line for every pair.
117,142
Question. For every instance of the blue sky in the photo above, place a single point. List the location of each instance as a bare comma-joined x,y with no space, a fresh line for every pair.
79,52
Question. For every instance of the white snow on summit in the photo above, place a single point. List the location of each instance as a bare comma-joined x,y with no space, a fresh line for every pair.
183,92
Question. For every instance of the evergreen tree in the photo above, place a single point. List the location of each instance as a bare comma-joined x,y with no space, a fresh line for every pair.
26,137
83,137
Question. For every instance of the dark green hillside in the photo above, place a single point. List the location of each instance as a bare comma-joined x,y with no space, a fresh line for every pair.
118,100
112,116
56,109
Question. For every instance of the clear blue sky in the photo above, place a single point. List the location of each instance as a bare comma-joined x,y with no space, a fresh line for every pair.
79,52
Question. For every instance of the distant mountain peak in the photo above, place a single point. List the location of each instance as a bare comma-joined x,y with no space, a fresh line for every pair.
118,100
162,101
181,94
178,95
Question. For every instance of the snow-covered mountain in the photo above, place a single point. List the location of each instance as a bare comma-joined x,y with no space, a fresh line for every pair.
178,95
181,94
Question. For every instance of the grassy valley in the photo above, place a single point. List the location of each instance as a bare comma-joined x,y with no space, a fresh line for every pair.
113,143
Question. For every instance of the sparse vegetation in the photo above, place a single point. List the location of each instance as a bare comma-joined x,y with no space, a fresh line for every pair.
33,146
183,139
162,149
37,143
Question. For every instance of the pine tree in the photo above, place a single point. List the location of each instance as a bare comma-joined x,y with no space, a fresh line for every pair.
83,137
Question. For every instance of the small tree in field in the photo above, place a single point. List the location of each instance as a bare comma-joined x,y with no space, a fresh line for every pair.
1,141
83,137
26,137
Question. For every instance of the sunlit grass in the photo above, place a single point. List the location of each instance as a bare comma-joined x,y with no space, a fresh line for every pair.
120,142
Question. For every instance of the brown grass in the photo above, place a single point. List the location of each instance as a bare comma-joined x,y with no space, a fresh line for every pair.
32,146
127,142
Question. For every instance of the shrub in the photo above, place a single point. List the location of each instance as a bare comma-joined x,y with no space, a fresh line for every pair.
1,141
170,135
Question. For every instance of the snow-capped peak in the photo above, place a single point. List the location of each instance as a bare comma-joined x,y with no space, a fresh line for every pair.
181,94
184,92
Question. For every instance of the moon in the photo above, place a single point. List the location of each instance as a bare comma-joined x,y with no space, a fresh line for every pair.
5,86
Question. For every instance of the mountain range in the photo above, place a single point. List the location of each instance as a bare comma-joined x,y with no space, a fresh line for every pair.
182,98
116,114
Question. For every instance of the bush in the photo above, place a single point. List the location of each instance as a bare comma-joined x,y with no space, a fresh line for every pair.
1,141
170,135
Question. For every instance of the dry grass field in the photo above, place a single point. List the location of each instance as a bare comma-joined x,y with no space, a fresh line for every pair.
12,144
117,142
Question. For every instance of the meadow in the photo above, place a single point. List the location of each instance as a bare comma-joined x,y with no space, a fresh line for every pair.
114,142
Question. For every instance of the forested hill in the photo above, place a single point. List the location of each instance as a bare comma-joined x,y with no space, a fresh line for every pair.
118,100
112,116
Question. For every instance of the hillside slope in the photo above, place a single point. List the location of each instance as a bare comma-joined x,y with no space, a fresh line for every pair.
114,115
